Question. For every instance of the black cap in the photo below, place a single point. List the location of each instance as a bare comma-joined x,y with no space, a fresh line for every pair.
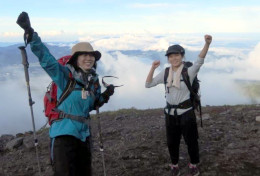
175,49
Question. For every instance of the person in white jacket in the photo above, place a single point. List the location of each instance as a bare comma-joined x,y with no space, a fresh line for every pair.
181,119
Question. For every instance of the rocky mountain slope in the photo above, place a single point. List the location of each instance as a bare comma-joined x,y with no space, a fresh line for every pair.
135,145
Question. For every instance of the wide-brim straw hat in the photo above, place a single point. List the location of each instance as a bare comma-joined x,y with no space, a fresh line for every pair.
83,47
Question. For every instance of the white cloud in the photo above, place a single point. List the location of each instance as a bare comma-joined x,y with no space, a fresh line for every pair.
217,77
231,51
74,1
151,5
242,66
243,9
161,44
254,57
251,66
15,110
164,6
217,88
11,34
232,75
132,42
194,21
185,19
132,72
226,63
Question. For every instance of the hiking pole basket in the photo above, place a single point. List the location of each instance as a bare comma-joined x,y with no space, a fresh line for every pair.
31,102
101,145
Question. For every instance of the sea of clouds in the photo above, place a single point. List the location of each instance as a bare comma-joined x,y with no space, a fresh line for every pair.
228,70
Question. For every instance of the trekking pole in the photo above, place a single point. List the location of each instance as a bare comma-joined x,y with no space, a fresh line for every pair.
101,146
26,66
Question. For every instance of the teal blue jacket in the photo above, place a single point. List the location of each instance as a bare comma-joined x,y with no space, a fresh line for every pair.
73,104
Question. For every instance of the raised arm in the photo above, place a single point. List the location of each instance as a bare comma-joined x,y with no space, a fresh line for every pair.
194,69
153,81
47,61
57,72
204,51
155,64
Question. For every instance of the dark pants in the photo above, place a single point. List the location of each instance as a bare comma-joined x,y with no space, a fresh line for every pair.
185,125
70,156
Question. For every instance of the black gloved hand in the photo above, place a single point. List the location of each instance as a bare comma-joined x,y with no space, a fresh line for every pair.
24,22
110,90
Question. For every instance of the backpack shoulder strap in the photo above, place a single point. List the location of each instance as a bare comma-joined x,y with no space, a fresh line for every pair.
186,78
166,73
68,89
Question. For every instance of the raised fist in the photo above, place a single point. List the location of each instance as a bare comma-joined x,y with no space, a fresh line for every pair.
208,39
24,22
155,64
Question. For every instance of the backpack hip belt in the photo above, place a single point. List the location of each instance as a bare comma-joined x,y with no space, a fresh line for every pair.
81,119
183,105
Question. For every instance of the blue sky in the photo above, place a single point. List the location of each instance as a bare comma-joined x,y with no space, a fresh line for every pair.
68,20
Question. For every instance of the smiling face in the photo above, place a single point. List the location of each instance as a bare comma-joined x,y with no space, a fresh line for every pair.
86,61
175,59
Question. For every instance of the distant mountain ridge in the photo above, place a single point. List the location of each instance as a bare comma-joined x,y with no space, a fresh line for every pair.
10,55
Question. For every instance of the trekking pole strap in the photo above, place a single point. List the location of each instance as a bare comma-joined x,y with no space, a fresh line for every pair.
105,84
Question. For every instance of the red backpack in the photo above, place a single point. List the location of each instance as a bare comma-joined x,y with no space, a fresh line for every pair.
50,98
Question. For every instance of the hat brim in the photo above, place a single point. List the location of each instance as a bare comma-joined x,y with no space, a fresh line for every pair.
172,52
96,54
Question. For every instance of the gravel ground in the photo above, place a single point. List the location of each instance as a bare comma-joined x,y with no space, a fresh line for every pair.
135,145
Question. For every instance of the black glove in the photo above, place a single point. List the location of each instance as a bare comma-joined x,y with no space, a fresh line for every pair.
110,90
24,22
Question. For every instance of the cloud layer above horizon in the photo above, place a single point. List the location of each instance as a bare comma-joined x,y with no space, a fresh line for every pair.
69,20
224,67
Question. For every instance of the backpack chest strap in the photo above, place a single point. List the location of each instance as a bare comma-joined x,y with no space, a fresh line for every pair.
81,119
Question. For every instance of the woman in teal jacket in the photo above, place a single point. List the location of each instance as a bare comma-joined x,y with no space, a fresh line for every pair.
70,134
